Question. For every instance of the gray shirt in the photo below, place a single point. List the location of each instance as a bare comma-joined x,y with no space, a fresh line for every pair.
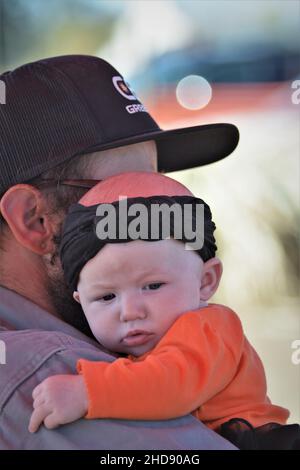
35,345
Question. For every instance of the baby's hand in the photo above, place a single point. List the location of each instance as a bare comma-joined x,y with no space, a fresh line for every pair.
59,399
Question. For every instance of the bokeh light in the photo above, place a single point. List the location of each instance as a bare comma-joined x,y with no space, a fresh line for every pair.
193,92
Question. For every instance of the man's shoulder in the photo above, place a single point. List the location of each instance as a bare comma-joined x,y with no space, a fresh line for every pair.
30,342
35,346
29,351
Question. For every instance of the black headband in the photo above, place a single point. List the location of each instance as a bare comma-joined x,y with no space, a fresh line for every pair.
80,242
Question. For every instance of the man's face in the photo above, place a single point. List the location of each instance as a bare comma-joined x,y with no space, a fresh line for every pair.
99,165
132,293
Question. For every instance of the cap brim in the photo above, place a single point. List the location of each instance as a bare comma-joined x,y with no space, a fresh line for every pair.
180,149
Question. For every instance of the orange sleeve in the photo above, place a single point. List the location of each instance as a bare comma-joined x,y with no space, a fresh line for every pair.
190,364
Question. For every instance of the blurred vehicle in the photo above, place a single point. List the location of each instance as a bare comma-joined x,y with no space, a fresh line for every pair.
242,78
235,64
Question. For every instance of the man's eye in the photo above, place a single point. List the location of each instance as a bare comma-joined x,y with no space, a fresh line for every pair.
107,297
154,286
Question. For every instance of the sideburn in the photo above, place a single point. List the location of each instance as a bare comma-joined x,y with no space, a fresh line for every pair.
61,295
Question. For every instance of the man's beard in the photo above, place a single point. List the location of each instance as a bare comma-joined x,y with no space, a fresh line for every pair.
61,295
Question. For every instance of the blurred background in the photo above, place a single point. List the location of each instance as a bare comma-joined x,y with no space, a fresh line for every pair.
194,62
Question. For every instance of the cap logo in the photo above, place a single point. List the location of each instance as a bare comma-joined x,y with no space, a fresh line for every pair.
123,88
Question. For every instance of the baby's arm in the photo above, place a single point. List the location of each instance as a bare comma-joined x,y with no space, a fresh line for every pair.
194,361
59,399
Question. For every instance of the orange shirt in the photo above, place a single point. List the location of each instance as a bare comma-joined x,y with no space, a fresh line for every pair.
204,365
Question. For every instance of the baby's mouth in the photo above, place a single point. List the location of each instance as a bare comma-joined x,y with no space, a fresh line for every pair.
137,338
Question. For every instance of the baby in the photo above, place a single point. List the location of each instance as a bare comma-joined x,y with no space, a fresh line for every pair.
146,297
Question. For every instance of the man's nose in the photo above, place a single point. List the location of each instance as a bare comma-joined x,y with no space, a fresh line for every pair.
132,308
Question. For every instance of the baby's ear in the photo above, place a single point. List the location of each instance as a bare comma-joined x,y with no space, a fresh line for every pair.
76,296
210,279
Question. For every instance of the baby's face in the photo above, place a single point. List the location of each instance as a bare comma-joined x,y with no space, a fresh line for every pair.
132,293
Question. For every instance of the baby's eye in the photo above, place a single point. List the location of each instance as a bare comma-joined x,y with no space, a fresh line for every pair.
153,286
107,297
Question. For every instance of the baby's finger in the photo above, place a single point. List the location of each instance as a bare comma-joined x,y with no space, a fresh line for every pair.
37,417
38,401
36,391
52,421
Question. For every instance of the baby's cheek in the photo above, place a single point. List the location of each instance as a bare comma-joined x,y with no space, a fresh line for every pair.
190,296
97,326
180,303
105,329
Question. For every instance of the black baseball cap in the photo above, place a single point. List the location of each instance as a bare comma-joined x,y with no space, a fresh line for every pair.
61,107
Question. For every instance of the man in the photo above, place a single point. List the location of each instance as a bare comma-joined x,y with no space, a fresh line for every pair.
67,123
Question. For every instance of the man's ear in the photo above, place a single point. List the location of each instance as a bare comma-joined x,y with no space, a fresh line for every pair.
76,296
25,210
210,279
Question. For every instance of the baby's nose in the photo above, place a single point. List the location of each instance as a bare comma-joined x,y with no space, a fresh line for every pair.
132,308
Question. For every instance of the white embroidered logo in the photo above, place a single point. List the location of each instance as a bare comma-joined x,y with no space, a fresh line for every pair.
123,88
